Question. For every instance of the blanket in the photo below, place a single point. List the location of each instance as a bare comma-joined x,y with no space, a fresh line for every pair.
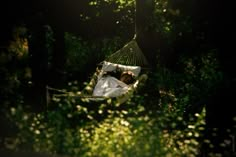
110,86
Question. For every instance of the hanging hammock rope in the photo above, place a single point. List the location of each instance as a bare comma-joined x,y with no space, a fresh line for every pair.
130,54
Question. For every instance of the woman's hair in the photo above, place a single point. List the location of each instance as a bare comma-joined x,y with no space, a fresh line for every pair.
127,77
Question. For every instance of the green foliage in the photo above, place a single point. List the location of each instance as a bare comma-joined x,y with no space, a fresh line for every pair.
119,14
202,75
81,53
78,52
14,67
126,130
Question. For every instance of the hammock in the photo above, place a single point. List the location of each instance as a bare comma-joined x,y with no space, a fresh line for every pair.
130,54
128,58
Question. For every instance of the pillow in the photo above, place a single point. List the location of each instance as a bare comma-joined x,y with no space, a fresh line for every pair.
108,66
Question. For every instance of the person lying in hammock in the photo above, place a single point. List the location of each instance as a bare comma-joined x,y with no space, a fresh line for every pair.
110,86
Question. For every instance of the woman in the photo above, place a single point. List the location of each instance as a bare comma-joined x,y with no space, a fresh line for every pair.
110,86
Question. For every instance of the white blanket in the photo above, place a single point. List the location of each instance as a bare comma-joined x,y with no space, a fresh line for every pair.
109,86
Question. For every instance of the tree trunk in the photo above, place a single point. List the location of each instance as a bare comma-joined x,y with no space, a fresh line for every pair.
151,42
59,21
57,72
39,61
147,38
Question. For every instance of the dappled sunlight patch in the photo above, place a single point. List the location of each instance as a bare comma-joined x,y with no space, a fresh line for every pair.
110,137
127,130
181,142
